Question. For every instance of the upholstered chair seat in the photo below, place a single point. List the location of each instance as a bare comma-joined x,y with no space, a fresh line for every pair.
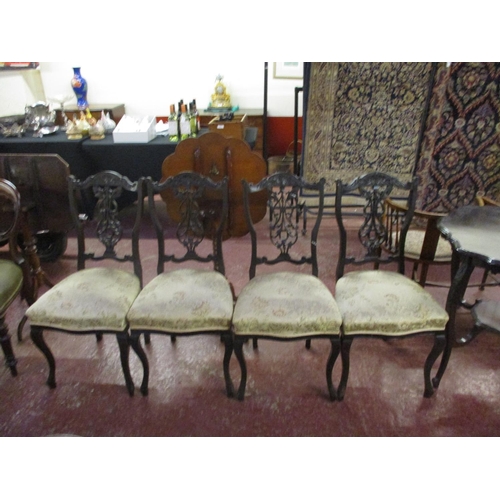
286,305
414,244
184,301
424,245
386,303
96,299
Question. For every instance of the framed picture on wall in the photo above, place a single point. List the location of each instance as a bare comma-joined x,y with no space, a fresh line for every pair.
291,70
18,65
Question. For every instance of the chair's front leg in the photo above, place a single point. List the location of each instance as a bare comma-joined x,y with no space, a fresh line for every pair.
36,334
124,345
437,349
228,352
20,328
334,354
135,342
238,351
345,348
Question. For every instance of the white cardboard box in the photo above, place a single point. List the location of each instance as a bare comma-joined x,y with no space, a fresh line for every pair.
131,129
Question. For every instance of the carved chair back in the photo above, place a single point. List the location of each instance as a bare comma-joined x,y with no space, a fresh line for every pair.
283,203
108,225
373,234
201,214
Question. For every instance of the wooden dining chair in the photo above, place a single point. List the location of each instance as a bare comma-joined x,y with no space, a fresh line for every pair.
190,294
381,303
14,271
290,303
96,298
425,246
485,201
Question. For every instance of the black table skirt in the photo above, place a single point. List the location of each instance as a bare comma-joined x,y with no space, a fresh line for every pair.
134,160
58,143
86,157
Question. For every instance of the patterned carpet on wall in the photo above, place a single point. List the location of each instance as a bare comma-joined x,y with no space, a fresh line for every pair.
363,117
461,154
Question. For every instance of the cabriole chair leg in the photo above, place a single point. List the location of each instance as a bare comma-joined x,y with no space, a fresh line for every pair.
437,349
238,351
135,342
345,348
228,352
334,354
124,345
37,337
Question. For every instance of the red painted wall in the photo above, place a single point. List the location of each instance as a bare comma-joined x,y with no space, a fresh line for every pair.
280,134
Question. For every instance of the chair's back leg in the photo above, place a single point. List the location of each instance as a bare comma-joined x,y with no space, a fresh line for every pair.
10,359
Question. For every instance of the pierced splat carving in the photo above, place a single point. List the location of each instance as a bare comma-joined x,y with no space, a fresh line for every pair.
107,188
109,228
373,188
283,226
190,230
282,190
373,233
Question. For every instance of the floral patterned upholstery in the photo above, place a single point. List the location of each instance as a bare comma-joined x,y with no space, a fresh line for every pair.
286,305
415,240
91,299
386,303
184,301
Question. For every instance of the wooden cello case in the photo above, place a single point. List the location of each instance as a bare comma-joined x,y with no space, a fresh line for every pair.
216,156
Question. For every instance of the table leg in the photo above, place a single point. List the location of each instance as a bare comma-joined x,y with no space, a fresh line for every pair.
456,295
464,268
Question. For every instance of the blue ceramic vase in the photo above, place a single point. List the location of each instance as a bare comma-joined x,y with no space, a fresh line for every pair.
79,85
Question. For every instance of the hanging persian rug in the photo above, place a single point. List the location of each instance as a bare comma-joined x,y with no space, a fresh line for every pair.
464,160
364,117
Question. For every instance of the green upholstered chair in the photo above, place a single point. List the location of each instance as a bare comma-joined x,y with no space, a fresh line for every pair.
96,299
14,272
192,296
291,303
382,302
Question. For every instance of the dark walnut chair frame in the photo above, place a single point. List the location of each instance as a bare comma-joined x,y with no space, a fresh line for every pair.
286,305
95,299
425,245
382,303
15,271
192,296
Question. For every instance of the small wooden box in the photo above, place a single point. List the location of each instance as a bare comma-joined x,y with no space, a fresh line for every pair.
230,128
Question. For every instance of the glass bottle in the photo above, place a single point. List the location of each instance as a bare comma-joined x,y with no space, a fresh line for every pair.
184,125
192,120
173,125
197,115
